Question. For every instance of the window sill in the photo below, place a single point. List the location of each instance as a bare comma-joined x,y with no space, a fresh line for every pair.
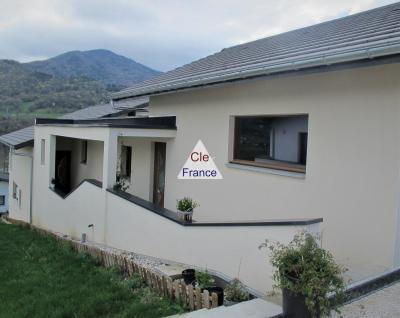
266,169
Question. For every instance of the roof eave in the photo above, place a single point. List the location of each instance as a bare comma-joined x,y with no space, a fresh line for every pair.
363,55
24,144
17,146
162,122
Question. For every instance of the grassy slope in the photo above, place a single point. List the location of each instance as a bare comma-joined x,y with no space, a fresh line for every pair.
40,277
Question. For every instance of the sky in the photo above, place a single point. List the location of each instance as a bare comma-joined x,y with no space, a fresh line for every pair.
162,34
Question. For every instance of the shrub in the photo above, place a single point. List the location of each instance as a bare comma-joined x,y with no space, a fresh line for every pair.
235,291
121,185
204,280
303,267
186,204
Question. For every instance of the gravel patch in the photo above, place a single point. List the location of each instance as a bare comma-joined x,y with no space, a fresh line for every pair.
381,304
149,262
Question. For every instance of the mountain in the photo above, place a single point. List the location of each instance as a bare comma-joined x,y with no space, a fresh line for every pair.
101,65
62,84
26,94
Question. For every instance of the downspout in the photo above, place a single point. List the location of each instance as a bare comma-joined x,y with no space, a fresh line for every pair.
21,154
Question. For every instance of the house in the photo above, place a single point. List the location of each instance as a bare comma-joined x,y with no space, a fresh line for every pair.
21,145
3,193
303,128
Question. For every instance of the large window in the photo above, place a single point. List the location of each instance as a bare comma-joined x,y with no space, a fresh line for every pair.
277,142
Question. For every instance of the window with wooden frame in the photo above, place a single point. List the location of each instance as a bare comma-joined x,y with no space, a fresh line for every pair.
275,142
84,146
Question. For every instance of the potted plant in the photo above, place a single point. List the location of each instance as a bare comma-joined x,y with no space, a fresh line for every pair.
121,184
188,276
185,208
206,282
307,275
235,292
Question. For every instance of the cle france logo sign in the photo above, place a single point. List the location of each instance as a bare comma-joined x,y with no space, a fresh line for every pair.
199,165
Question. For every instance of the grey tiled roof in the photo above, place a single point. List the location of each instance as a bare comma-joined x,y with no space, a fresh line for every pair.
19,138
97,111
361,36
132,103
25,136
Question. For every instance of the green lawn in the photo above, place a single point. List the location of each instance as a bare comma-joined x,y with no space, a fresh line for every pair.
40,277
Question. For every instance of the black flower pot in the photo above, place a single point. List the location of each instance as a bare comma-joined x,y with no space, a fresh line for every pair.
188,276
220,293
294,305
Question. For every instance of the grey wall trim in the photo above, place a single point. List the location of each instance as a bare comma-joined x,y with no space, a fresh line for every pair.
171,215
161,122
94,182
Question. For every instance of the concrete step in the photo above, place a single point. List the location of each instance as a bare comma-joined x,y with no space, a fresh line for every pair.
256,308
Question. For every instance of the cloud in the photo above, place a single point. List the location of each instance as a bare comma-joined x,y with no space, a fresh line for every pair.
160,34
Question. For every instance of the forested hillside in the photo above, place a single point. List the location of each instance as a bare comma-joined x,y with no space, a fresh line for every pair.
102,65
25,93
62,84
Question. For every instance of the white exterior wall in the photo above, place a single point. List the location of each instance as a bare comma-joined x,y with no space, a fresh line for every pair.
122,224
93,168
352,178
4,191
20,173
141,174
221,248
81,208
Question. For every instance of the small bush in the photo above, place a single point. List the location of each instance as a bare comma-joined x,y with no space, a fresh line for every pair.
204,279
235,291
186,204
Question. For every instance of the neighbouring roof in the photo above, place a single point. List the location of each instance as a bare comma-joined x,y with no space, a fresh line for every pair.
4,177
132,103
359,37
19,138
96,111
24,137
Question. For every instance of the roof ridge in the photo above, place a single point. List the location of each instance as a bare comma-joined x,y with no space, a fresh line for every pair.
316,25
358,34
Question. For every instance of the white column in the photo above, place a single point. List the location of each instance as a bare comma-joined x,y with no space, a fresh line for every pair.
110,159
